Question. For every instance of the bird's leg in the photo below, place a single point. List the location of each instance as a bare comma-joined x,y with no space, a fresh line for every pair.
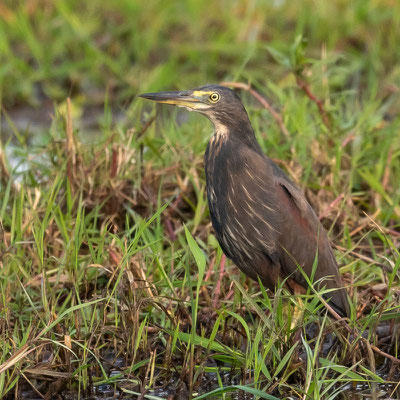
218,286
297,290
297,314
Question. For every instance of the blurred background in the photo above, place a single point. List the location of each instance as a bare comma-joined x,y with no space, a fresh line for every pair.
102,52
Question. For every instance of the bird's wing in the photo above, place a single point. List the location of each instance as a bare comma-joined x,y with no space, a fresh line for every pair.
306,239
305,235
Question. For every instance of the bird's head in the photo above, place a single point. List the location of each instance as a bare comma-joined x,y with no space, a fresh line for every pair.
219,104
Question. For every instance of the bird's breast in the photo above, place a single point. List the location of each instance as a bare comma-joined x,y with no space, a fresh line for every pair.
218,177
241,202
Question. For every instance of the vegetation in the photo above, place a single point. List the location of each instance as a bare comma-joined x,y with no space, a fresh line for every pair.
111,278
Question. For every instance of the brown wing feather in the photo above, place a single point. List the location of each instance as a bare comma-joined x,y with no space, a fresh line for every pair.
298,235
304,240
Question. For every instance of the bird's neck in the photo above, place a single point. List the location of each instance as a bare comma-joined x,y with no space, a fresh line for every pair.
225,148
241,133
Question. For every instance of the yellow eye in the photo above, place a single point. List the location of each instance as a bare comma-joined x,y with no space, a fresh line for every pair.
214,97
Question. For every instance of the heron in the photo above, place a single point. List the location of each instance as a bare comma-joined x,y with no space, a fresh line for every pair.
262,220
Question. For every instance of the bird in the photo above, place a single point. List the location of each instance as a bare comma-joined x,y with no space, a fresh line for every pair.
262,220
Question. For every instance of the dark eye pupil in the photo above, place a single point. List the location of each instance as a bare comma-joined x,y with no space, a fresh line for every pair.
214,96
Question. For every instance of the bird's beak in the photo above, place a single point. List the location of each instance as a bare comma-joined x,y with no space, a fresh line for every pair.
185,99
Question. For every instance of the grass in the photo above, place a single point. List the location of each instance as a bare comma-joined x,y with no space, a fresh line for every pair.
111,278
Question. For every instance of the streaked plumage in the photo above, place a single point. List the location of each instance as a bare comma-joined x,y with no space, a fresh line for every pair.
262,221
